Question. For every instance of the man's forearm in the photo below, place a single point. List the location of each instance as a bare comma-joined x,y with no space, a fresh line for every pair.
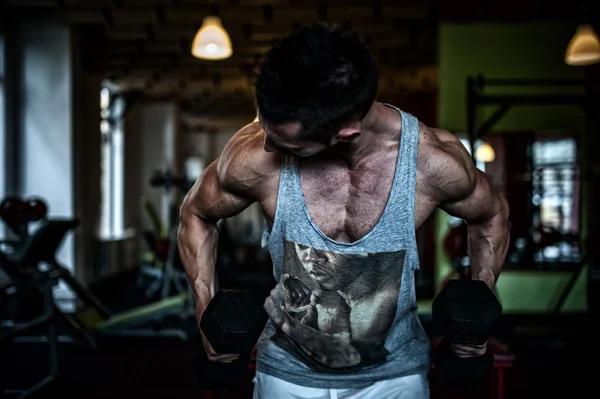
197,241
488,244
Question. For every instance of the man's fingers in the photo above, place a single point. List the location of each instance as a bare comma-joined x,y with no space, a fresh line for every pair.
213,356
468,350
469,347
222,358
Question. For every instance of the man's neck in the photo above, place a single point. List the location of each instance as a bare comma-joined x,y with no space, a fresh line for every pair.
378,129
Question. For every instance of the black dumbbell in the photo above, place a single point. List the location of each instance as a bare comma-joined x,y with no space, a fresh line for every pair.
466,310
232,323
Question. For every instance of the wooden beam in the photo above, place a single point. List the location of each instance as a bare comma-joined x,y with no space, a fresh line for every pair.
90,3
134,16
82,16
30,3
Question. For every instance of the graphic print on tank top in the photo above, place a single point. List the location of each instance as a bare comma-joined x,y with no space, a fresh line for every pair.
337,308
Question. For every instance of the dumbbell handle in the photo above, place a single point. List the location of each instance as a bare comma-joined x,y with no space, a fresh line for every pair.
218,375
446,344
468,366
464,338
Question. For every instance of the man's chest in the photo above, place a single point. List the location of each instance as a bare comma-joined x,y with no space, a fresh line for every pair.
345,205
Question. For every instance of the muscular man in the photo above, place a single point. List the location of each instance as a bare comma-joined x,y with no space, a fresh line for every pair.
344,181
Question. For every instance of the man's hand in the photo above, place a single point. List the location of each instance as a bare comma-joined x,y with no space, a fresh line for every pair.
211,354
296,294
465,351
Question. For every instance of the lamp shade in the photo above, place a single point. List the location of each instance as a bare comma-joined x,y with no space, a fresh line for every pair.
485,153
584,47
212,41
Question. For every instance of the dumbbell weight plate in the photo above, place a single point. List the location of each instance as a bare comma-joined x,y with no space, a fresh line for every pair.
466,310
233,321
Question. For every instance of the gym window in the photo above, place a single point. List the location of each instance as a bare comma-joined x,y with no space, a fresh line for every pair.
554,194
3,166
112,169
539,176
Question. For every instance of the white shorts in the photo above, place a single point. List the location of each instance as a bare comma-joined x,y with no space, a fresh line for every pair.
409,387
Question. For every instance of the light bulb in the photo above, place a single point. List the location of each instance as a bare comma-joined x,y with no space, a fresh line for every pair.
212,48
485,153
212,41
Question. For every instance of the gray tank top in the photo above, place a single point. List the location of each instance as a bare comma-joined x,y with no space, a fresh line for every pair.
344,315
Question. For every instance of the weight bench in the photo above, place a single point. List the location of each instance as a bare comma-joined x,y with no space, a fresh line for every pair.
26,278
503,359
47,319
25,261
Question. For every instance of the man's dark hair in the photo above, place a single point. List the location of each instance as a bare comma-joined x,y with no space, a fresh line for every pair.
321,76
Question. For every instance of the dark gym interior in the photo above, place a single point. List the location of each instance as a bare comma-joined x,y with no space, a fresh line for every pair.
107,119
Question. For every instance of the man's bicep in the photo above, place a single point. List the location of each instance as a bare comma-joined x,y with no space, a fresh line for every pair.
478,202
211,199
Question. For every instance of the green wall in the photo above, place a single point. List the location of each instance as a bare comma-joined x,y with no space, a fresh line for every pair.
525,50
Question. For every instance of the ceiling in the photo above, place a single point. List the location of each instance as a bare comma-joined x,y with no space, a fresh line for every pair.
144,45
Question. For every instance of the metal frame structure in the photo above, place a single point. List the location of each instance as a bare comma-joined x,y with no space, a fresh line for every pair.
475,97
47,319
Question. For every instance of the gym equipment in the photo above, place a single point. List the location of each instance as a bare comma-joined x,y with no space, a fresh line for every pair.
455,245
24,265
232,323
47,319
94,318
37,209
18,213
135,321
27,279
14,212
163,264
466,309
168,181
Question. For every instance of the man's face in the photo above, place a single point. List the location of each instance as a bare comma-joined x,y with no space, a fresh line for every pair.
290,138
330,270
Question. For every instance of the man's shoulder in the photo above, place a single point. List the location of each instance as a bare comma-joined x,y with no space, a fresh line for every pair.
244,158
438,147
444,163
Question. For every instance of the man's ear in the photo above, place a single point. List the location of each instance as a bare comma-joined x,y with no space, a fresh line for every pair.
346,134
